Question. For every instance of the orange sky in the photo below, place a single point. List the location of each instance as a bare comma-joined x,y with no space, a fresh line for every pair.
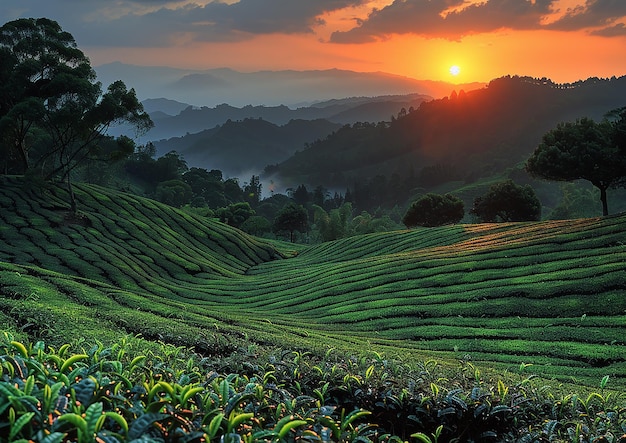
565,40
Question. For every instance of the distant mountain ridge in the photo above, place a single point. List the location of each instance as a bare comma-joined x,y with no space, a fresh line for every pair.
271,88
344,111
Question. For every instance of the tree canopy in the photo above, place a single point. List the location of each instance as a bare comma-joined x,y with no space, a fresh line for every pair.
582,150
434,210
291,218
53,113
507,202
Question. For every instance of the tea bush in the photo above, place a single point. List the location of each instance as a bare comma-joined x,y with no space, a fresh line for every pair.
113,394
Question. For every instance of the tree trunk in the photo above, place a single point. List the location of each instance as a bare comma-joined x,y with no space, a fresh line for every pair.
73,207
605,206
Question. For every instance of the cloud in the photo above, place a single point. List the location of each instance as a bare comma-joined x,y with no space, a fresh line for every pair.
617,30
154,23
449,19
594,13
454,19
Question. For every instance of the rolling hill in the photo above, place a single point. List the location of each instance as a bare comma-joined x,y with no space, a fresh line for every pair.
548,294
476,133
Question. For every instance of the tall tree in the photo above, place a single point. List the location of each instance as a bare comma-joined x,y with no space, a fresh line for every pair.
581,150
252,191
51,85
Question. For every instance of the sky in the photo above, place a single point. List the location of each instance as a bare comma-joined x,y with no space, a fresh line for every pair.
564,40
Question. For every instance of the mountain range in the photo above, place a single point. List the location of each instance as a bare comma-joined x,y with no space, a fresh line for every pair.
270,88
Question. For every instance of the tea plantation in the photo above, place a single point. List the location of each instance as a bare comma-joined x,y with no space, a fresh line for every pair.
453,321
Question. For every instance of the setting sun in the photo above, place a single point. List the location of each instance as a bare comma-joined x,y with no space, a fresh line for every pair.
455,70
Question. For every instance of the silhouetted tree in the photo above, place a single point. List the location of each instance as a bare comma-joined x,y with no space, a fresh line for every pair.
301,195
434,210
50,86
582,150
252,190
507,202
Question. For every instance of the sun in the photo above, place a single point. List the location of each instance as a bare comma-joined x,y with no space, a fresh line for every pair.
455,70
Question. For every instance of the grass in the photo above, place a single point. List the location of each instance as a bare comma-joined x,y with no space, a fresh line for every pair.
550,294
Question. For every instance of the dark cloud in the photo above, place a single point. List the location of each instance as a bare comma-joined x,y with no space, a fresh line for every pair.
428,18
618,30
594,13
159,22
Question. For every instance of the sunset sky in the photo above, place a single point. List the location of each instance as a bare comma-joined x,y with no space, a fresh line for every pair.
565,40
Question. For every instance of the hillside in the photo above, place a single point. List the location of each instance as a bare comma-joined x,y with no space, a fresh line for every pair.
548,294
238,148
472,134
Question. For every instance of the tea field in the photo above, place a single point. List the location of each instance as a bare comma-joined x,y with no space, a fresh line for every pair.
543,298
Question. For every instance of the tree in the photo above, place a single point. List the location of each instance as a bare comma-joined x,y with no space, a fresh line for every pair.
507,202
252,191
301,195
235,214
50,86
332,225
581,150
256,225
434,210
174,193
291,218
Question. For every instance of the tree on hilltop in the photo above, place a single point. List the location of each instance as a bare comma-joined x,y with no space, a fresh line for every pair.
583,150
53,113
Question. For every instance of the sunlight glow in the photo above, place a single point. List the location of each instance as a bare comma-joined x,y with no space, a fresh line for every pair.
455,70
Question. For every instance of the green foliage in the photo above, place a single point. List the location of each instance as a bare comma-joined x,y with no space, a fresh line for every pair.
290,219
523,299
112,394
50,94
173,192
583,150
507,202
434,210
235,214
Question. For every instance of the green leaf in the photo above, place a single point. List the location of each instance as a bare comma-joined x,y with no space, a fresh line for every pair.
215,424
141,424
116,418
352,416
286,427
19,424
236,420
76,420
84,390
70,361
92,415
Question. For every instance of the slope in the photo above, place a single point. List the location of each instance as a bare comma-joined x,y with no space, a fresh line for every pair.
548,294
477,134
